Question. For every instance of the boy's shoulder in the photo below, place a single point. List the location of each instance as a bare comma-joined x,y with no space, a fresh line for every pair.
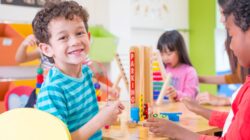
86,70
53,78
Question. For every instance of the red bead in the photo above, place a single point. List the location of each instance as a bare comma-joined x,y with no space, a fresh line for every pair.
39,78
106,126
98,98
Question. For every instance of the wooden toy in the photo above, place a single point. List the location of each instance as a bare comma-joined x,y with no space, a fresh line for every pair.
122,74
140,82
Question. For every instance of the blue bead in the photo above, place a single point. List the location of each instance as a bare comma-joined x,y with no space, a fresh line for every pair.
97,85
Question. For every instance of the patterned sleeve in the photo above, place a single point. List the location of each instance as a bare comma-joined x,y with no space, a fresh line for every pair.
51,99
88,70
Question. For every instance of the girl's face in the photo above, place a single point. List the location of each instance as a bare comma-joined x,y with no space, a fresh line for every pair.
222,16
240,42
170,58
69,41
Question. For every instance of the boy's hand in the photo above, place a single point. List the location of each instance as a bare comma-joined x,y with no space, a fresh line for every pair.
170,92
114,93
111,112
162,127
29,41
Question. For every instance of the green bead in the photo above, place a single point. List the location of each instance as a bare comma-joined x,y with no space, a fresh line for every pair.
39,71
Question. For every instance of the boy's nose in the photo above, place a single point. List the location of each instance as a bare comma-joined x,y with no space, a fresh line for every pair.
74,41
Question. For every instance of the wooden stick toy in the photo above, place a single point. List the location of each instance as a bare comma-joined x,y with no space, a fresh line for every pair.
122,73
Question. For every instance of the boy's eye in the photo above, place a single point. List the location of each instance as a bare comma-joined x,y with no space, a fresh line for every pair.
62,38
80,33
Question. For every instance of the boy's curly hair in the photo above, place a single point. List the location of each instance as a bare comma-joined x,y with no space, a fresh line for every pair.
241,12
52,10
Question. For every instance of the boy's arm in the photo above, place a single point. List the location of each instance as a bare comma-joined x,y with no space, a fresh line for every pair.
106,116
87,130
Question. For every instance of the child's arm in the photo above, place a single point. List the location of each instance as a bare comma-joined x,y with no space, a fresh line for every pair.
239,128
215,118
22,55
196,108
207,98
105,117
218,79
163,127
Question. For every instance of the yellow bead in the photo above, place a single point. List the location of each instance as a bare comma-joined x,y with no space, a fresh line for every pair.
98,92
37,91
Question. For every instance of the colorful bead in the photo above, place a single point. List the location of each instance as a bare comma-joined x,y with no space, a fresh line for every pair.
39,71
97,92
39,78
97,85
98,98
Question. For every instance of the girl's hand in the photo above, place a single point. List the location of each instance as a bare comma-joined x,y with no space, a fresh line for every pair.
110,112
191,105
162,127
206,98
170,92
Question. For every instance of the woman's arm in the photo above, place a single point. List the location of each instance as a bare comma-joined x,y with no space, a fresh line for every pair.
218,79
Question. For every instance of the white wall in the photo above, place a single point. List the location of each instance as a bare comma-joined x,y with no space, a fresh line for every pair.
17,14
221,57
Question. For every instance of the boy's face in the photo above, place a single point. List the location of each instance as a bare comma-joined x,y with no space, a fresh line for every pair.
240,42
68,43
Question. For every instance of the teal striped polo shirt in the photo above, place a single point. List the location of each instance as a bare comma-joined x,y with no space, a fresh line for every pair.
72,100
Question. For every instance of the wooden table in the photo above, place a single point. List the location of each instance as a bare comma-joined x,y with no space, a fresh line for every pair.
188,120
12,73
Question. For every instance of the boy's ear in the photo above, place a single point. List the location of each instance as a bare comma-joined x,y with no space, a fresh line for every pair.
89,34
46,49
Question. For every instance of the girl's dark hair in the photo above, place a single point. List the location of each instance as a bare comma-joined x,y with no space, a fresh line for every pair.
222,3
241,12
52,10
173,41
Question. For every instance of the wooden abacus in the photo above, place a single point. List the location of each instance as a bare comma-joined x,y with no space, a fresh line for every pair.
140,82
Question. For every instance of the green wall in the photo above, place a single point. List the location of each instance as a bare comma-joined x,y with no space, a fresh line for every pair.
202,20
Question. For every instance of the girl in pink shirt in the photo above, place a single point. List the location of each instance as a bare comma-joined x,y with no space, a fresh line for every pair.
184,82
